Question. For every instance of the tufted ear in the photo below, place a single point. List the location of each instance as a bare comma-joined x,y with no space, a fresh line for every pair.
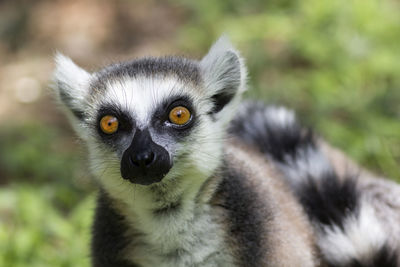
71,84
224,73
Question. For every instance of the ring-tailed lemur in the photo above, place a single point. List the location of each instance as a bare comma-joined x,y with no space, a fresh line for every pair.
189,176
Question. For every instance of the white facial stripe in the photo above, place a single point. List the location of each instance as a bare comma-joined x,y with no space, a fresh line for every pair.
142,95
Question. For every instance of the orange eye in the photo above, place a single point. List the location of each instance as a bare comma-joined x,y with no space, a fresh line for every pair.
109,124
179,115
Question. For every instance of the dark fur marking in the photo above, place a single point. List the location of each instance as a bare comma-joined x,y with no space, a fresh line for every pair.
327,200
385,257
220,100
184,69
247,215
160,119
253,127
126,124
108,236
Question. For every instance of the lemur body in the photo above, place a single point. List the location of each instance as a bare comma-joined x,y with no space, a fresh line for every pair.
198,229
191,177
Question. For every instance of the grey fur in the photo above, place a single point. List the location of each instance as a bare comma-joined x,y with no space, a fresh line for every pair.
184,69
239,193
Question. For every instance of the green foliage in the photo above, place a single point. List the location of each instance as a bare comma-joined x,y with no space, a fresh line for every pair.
34,233
335,62
44,216
41,154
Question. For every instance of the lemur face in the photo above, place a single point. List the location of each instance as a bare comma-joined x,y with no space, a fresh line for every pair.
146,121
153,119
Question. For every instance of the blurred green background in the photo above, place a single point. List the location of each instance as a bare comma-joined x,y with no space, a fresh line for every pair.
337,63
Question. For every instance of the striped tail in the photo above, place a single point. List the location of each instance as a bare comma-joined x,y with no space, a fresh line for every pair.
347,229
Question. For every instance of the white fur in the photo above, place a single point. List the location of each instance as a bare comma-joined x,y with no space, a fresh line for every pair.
362,236
73,77
142,95
71,80
195,231
215,62
187,230
214,68
308,163
280,116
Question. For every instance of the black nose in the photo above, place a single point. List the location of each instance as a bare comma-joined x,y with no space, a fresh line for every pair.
143,159
144,162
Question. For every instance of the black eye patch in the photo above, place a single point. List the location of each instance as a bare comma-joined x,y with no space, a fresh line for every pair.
125,122
160,120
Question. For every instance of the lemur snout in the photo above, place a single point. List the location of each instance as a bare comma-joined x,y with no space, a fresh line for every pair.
144,162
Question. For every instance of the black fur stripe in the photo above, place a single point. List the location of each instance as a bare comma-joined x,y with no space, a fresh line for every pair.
247,215
385,257
328,200
108,236
256,126
184,69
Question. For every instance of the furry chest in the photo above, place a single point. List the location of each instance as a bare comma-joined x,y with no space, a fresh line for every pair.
181,240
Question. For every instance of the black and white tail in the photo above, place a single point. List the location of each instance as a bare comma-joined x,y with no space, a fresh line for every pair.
344,218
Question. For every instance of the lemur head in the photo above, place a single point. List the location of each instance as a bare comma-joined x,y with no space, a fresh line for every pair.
153,119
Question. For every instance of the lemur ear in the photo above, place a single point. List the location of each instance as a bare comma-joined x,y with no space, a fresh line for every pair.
71,84
224,73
